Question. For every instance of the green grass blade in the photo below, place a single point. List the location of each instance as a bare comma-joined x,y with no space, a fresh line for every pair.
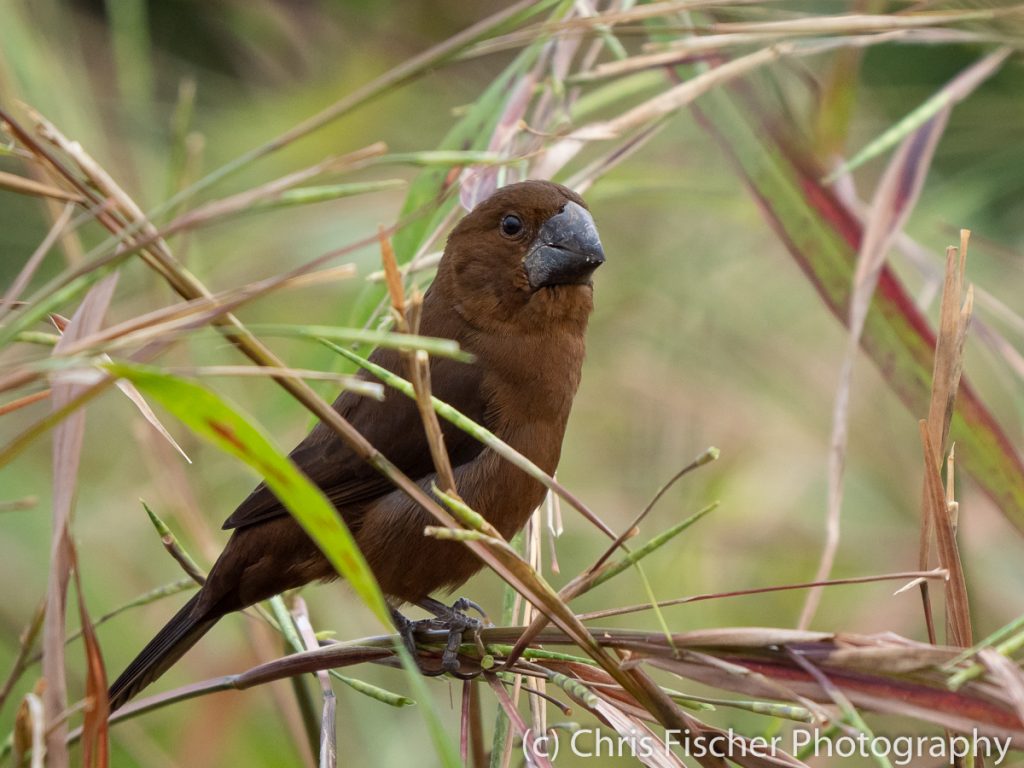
954,92
323,193
213,419
614,569
430,345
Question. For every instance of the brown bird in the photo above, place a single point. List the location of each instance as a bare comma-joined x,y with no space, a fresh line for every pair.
513,289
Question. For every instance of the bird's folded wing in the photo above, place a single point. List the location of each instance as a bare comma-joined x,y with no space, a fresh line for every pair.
393,426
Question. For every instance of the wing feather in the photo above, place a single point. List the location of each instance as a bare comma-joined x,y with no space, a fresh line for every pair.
393,426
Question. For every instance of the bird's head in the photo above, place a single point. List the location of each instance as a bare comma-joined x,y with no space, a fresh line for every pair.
523,257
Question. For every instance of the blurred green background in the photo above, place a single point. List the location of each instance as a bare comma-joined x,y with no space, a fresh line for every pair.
705,333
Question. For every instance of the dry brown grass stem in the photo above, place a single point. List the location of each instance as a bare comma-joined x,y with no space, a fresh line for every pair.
406,317
954,320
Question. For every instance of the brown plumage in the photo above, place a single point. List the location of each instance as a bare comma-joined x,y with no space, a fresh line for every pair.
513,288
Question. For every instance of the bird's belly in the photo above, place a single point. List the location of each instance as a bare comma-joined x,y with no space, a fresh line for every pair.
410,565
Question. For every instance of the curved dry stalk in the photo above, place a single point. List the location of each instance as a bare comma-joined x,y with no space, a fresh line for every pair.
883,672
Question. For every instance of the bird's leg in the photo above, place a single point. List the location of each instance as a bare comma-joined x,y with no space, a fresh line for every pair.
405,628
407,631
454,619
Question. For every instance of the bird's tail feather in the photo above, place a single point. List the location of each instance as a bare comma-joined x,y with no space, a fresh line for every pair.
169,645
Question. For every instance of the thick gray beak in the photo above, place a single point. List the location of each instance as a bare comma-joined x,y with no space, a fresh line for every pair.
567,249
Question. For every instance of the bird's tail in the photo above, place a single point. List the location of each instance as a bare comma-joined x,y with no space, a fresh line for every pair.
169,645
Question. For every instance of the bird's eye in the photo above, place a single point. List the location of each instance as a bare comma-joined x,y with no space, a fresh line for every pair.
511,225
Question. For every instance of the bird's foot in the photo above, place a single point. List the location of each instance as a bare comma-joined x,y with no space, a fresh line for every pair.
451,618
457,622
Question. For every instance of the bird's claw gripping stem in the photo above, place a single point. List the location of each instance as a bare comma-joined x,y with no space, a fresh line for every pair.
451,618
